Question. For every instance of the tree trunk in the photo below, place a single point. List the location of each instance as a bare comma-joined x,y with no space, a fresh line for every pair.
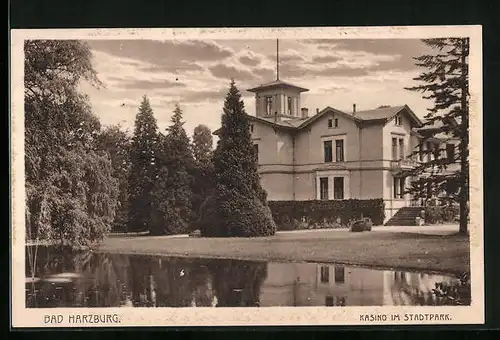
464,144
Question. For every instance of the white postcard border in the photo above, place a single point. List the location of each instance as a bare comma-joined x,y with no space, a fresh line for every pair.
271,316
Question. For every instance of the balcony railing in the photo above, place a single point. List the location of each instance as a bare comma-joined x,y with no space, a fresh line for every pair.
403,164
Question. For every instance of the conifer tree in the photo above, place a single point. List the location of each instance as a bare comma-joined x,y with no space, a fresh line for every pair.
203,170
238,207
445,82
172,192
143,169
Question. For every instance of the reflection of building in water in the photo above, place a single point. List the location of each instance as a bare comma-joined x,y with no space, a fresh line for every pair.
203,294
405,288
305,284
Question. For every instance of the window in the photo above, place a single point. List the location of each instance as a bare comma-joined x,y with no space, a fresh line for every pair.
289,102
450,152
339,274
394,149
428,148
398,187
327,147
256,149
399,120
325,274
339,150
329,302
323,188
420,153
401,148
251,127
269,105
338,188
333,123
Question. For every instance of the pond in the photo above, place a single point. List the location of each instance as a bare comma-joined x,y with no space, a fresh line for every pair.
89,279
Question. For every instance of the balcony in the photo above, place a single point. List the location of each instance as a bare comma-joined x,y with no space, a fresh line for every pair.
403,164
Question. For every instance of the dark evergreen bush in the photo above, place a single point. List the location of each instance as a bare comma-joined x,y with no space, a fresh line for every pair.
238,206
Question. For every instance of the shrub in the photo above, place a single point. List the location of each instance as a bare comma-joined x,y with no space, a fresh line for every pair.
358,226
454,294
328,214
364,224
451,213
195,233
238,217
440,214
432,214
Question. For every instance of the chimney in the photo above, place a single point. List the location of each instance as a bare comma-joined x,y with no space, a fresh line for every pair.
354,109
304,112
317,110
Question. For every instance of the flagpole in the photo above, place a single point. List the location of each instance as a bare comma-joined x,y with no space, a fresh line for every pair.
277,59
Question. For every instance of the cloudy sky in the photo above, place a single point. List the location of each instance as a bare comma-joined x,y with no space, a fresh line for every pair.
196,74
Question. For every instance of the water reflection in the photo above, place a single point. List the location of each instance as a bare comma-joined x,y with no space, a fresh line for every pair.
62,279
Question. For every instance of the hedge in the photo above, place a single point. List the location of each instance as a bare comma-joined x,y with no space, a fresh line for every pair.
290,215
441,214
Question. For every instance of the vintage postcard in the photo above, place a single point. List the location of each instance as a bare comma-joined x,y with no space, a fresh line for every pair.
247,176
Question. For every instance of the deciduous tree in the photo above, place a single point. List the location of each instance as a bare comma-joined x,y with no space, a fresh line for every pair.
116,142
71,195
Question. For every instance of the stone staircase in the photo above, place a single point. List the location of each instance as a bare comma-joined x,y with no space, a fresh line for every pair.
404,217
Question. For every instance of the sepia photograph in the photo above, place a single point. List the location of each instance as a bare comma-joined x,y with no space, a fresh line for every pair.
247,176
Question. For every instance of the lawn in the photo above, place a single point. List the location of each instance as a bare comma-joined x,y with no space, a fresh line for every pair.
439,253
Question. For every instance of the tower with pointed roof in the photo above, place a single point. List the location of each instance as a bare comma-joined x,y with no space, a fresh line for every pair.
278,99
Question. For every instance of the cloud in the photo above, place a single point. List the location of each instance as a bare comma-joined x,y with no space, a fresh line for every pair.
170,55
249,60
287,56
326,59
216,95
196,75
264,73
297,71
390,54
223,71
178,67
151,84
318,41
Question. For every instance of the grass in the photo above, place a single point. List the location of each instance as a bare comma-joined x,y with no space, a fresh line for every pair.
384,249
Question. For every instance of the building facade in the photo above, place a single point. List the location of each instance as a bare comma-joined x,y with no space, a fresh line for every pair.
330,154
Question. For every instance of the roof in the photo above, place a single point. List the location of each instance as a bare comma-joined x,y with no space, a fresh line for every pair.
287,123
382,115
279,84
386,113
379,113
